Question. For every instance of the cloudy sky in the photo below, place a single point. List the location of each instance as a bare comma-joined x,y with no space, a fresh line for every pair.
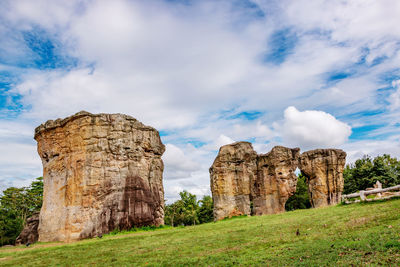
304,73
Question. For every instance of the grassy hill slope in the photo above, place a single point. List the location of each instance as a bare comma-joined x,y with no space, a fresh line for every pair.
340,235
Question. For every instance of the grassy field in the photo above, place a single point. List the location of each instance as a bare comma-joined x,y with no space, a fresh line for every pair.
356,234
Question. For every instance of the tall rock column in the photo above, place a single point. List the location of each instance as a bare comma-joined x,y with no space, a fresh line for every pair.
100,172
230,178
324,171
276,180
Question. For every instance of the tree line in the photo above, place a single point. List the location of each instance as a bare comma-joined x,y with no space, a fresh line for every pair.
17,204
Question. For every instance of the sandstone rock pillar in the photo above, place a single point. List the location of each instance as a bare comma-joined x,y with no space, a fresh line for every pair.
324,171
276,180
239,176
100,172
230,176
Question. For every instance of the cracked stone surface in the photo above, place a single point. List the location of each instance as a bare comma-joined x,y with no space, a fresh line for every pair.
243,182
324,171
230,178
276,180
239,176
100,172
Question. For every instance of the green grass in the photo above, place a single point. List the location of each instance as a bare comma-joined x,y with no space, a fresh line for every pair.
344,235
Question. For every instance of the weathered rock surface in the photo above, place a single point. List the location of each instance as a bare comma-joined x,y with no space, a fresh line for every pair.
230,178
324,171
239,176
30,232
100,172
276,180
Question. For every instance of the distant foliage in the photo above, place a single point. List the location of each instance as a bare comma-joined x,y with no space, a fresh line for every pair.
366,171
189,211
300,199
205,210
16,205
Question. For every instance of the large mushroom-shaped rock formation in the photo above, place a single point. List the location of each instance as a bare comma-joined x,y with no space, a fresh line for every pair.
276,180
230,177
324,171
100,172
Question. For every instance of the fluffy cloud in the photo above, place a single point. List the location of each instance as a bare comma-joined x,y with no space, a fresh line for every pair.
190,69
313,129
373,148
19,164
223,140
178,165
19,161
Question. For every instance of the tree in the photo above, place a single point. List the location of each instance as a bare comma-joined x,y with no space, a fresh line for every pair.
300,199
188,211
188,208
16,205
205,211
171,214
364,173
10,226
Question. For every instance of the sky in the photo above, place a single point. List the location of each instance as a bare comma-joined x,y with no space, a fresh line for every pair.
305,73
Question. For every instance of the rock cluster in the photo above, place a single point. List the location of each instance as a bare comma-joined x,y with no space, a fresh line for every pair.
100,172
239,176
243,182
30,232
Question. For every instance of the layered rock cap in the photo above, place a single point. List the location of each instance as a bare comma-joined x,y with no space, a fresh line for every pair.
100,172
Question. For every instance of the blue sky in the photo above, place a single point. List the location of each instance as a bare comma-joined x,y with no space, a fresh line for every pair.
311,74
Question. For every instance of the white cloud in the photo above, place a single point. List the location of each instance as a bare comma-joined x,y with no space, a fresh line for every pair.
179,67
394,98
313,129
186,168
19,164
373,148
223,140
178,165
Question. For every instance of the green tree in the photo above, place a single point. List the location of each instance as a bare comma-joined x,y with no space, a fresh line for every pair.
188,211
188,208
16,205
171,216
205,210
11,225
300,199
364,173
